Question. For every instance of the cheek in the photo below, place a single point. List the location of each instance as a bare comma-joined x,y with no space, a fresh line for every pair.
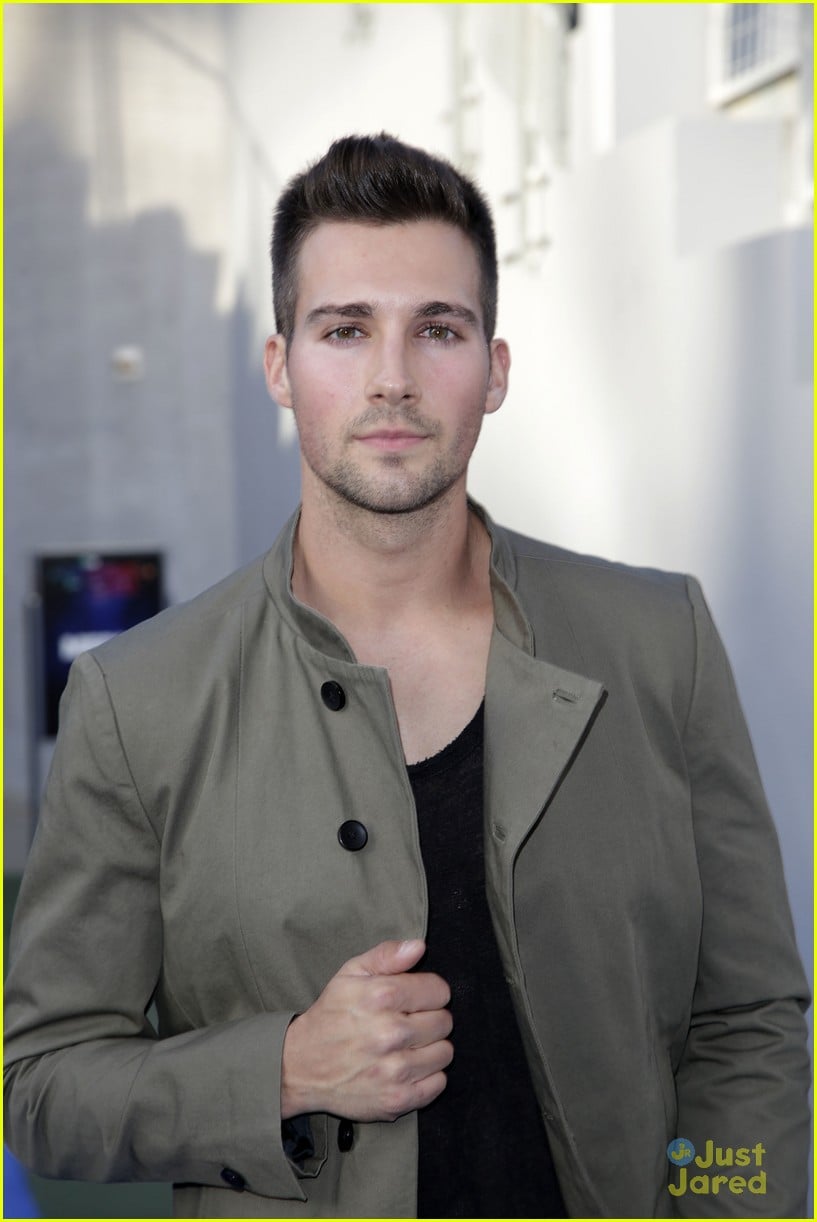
464,397
323,388
460,377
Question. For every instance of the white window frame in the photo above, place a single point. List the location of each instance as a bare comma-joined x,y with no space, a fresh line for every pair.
777,26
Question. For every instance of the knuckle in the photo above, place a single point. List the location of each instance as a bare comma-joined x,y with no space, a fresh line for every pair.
384,995
389,1071
396,1101
398,1068
386,1037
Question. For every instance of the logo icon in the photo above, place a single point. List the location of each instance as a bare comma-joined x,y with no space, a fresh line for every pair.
680,1152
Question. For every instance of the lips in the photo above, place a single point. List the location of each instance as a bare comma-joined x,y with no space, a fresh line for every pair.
389,433
391,439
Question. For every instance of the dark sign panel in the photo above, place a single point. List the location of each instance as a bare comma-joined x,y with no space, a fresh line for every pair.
87,598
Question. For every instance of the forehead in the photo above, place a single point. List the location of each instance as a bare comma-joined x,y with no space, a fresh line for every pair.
396,264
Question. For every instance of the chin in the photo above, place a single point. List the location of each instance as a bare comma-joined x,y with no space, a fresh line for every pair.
410,496
390,504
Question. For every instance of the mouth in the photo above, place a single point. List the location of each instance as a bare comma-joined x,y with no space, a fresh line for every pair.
391,439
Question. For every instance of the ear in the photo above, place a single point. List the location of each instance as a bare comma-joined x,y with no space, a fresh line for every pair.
275,369
498,377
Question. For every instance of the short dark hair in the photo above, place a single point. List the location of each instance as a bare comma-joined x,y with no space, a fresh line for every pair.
380,181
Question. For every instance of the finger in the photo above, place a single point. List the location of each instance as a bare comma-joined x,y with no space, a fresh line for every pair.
404,994
427,1027
419,991
405,1070
409,1096
426,1092
386,959
401,1076
431,1059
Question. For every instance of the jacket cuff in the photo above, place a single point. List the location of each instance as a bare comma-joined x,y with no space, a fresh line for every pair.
305,1139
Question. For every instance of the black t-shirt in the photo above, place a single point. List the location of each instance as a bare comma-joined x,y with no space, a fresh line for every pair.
483,1148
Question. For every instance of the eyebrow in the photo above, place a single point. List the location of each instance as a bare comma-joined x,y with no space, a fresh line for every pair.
352,309
362,309
437,309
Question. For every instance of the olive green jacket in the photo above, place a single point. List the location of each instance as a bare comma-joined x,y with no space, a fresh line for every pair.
187,852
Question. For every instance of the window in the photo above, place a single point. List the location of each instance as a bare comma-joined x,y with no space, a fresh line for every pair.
751,46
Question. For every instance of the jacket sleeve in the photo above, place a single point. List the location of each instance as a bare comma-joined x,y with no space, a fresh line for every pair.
91,1091
743,1076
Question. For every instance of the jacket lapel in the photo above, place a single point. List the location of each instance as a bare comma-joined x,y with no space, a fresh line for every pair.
536,718
536,715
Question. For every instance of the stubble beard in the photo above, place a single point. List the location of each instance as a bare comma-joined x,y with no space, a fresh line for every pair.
410,495
406,492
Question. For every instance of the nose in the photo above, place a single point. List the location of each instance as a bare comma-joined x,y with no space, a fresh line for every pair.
391,377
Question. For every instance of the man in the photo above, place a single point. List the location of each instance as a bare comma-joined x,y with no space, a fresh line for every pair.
441,851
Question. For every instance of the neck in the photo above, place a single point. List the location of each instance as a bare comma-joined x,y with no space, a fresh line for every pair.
370,569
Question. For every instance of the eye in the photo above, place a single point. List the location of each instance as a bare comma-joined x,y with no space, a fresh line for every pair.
440,332
344,334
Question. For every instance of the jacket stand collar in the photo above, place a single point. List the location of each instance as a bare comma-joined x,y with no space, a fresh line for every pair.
536,714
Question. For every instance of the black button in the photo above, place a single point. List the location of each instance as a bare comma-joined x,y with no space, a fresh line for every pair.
233,1178
346,1135
352,835
333,696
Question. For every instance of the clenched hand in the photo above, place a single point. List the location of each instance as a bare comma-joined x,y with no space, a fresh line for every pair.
374,1045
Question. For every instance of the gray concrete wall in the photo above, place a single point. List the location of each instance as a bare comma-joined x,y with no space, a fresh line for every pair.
120,126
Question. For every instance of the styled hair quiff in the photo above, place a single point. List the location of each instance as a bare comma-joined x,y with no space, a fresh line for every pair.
377,180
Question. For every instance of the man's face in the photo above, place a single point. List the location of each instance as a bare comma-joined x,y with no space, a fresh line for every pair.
388,371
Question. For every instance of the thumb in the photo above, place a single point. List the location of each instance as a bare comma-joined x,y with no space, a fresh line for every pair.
386,959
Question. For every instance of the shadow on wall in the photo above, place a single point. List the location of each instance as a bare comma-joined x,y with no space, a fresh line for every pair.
268,476
179,452
771,536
